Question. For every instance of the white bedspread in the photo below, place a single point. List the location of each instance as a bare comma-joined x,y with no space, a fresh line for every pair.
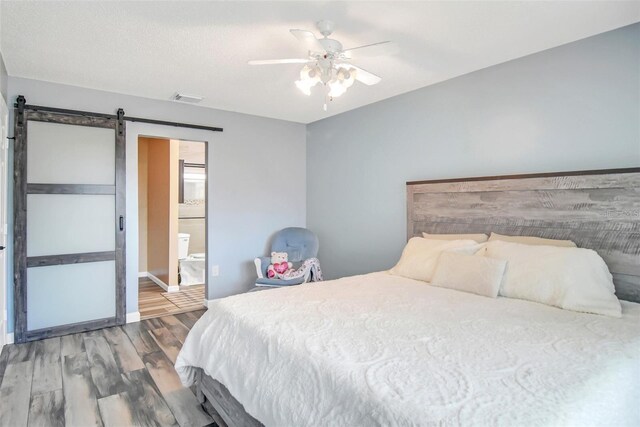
382,350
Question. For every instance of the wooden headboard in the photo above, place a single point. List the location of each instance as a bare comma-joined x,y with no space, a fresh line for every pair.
598,210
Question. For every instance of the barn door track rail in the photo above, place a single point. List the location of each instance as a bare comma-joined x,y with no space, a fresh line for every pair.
21,105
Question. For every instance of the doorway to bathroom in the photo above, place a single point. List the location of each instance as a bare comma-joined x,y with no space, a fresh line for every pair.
172,207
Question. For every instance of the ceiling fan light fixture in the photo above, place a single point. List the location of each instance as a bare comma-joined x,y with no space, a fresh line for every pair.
315,73
336,88
304,86
326,75
304,72
326,62
307,73
351,77
346,77
309,77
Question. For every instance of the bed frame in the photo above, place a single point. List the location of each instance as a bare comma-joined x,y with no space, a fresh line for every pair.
216,400
597,209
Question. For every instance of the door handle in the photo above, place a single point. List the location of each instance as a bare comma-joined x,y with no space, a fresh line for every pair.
121,222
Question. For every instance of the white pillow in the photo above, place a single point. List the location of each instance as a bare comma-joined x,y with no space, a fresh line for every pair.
420,256
479,237
531,240
570,278
475,274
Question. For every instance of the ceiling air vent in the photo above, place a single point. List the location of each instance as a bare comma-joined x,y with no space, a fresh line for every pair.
192,99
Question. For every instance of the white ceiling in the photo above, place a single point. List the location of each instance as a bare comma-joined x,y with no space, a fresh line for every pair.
154,49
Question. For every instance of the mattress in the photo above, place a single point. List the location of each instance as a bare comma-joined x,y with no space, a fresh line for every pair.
378,349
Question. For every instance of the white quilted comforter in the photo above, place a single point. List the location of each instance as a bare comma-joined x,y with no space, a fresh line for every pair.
382,350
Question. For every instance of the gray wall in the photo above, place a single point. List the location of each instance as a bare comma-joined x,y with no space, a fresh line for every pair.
4,78
569,108
242,214
3,69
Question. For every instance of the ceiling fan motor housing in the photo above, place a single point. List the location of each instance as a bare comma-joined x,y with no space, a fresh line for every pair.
326,27
331,46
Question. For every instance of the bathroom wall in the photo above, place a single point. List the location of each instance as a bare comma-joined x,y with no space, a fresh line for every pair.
162,213
192,212
196,230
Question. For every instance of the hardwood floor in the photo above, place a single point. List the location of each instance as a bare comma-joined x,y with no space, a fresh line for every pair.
121,376
153,301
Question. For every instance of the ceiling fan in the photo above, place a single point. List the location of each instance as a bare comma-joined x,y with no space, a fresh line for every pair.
328,63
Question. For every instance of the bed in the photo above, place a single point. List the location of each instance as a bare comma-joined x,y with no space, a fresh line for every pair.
379,349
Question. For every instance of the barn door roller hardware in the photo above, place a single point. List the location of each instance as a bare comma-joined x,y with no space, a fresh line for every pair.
20,104
120,116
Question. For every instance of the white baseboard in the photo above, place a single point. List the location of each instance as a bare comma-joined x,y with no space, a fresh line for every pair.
143,274
208,302
154,279
133,317
157,281
10,338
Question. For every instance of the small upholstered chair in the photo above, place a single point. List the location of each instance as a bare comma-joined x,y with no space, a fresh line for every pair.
299,243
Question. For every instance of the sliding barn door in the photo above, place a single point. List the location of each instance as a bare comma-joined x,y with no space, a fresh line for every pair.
69,202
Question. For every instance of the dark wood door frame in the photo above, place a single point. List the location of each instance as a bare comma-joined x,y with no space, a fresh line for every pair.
23,114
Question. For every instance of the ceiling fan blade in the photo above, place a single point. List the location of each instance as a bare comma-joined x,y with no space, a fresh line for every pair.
278,61
374,49
308,39
362,76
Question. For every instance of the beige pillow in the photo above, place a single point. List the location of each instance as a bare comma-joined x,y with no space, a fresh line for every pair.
475,274
420,256
480,237
530,240
570,278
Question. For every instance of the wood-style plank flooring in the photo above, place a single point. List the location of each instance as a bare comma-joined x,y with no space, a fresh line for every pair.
121,376
153,301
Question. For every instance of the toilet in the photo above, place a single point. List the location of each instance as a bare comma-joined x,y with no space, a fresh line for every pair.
192,267
183,245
